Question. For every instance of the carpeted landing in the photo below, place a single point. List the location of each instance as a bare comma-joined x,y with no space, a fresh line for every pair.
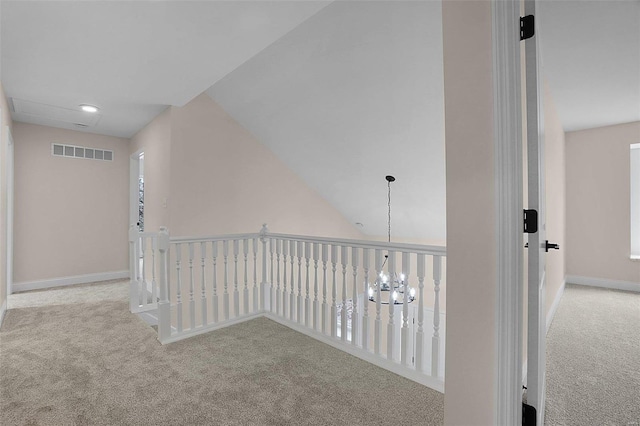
96,363
593,359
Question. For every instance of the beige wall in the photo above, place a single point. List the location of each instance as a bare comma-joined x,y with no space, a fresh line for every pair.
554,140
598,216
223,180
71,215
155,140
471,239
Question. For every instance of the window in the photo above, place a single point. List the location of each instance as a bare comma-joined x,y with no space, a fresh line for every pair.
635,201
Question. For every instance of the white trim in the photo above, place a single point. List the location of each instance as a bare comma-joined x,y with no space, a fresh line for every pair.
64,281
3,311
399,369
150,317
604,283
507,112
554,306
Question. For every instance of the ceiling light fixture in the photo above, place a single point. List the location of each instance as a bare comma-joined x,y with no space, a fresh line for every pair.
89,108
397,284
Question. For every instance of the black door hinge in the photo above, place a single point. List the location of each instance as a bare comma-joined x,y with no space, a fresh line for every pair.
527,27
530,221
528,415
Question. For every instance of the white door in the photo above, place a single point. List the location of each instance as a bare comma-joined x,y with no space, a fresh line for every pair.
536,321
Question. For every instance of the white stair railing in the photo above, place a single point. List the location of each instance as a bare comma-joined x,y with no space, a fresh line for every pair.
342,307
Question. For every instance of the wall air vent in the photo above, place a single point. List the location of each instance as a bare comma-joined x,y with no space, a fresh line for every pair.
72,151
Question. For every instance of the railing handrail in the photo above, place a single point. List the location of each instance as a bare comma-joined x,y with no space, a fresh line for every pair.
174,240
383,245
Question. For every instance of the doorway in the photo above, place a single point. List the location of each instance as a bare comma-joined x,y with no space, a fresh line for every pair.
136,191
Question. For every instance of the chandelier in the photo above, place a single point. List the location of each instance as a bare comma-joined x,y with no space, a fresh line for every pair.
396,285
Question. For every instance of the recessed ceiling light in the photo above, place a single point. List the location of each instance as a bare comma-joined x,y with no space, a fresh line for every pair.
89,108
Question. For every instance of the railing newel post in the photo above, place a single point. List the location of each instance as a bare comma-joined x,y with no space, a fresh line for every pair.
134,241
164,306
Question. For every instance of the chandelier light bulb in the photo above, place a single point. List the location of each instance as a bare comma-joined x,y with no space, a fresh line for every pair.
370,292
401,277
412,292
384,278
395,295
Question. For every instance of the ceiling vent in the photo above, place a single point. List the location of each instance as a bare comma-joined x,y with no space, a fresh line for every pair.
29,109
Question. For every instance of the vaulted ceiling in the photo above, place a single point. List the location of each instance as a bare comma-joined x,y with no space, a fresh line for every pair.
343,92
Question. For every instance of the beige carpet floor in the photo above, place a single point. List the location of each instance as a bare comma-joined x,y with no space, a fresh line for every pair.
593,359
95,363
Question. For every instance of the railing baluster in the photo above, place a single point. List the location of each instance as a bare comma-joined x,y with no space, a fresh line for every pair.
214,302
192,302
391,331
365,300
203,282
256,301
343,313
377,337
300,253
435,341
420,333
236,293
245,294
325,257
285,295
179,287
225,294
307,307
278,294
354,312
143,280
292,296
316,306
334,314
263,284
405,359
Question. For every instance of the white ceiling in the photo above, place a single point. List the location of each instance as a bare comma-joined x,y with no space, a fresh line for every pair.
591,59
132,59
344,93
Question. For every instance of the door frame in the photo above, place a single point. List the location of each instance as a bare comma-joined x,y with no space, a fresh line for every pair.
134,173
509,225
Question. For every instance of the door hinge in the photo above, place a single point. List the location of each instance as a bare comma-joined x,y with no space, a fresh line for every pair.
530,221
527,27
528,415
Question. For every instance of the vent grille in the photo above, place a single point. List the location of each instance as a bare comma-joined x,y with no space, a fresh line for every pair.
73,151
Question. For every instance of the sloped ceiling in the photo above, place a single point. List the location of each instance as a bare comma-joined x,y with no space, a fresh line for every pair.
352,95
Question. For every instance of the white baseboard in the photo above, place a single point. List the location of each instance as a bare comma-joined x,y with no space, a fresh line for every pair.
600,282
150,317
555,304
3,310
78,279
